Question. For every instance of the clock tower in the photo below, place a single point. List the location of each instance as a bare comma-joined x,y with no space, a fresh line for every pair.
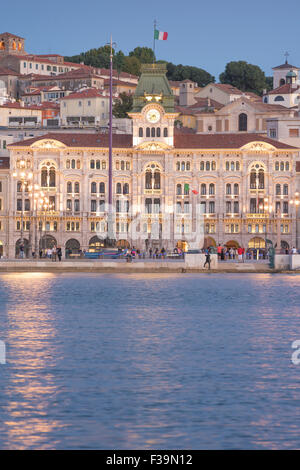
153,111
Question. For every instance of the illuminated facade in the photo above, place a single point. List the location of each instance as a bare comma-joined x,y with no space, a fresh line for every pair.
243,184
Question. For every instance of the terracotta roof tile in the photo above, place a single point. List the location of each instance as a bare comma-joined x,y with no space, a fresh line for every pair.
88,93
81,140
221,141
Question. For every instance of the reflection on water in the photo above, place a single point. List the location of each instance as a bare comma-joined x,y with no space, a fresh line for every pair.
149,361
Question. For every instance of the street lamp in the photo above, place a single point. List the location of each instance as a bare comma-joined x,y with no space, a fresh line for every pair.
296,203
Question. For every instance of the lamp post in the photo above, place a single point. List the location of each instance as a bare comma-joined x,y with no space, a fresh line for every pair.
296,202
24,176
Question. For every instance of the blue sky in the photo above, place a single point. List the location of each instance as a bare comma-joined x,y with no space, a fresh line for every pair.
204,34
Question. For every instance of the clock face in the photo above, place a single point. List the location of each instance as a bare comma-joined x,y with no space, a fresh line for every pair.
153,116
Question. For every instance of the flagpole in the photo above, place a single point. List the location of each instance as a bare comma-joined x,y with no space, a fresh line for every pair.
154,41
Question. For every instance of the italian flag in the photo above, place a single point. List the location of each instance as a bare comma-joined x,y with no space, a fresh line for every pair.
161,35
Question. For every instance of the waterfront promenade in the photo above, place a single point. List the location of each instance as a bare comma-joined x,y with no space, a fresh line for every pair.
136,266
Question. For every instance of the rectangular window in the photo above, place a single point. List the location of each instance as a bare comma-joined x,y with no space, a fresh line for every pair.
19,204
273,133
294,132
93,205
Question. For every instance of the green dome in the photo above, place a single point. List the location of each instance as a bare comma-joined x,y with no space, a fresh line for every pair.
291,74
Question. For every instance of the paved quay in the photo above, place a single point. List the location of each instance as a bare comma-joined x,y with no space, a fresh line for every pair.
136,266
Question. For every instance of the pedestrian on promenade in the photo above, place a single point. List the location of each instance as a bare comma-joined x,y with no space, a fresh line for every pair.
240,254
59,253
219,251
150,253
207,259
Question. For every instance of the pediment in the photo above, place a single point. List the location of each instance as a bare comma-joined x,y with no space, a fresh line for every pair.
153,146
48,144
258,147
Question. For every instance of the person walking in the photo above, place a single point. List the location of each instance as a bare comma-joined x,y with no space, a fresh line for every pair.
207,259
59,253
150,253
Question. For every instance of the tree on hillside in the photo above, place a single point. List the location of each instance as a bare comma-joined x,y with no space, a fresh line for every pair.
122,105
132,65
246,77
95,57
183,72
144,54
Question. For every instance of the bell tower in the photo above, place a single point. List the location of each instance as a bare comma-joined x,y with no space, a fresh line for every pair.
11,44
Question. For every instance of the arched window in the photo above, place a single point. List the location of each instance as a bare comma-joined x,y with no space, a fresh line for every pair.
211,189
279,98
276,166
122,165
44,177
117,165
103,165
285,189
178,189
68,164
76,187
278,189
228,188
207,166
126,188
236,189
69,187
227,166
157,180
165,132
237,166
152,176
19,186
188,166
213,166
182,166
93,187
98,164
140,132
148,179
232,166
102,187
92,164
203,189
253,179
261,179
52,177
119,188
243,122
282,82
287,166
73,164
78,164
201,166
148,132
152,131
281,166
158,132
178,166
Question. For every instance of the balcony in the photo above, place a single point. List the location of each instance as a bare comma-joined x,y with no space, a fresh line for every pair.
152,191
253,215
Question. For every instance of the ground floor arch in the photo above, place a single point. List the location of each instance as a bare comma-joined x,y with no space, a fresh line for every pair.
208,242
257,242
182,245
96,244
22,248
123,244
1,249
285,245
47,242
232,244
72,247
